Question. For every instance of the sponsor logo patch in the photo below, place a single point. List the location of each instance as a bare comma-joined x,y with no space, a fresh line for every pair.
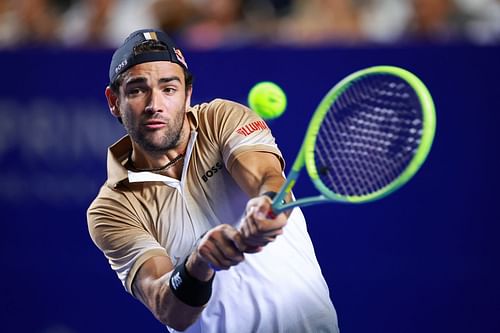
252,127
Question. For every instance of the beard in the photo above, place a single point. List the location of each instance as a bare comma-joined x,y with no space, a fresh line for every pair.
156,141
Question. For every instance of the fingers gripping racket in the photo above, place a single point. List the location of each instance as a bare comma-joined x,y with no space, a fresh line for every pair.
369,135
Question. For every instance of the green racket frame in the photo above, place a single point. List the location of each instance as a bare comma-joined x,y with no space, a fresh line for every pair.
306,153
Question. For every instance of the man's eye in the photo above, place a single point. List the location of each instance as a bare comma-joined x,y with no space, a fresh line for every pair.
134,91
169,90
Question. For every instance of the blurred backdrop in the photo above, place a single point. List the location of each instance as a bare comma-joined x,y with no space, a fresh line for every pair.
422,260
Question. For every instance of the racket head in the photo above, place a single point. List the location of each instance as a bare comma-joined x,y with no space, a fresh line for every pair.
369,135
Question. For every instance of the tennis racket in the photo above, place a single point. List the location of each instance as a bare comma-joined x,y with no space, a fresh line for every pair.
369,136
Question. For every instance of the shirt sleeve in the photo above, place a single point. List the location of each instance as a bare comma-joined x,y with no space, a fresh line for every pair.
239,129
117,232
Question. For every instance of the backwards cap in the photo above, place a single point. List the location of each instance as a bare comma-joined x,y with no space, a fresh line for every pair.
125,56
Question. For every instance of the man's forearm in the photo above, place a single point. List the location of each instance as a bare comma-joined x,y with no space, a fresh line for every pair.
159,295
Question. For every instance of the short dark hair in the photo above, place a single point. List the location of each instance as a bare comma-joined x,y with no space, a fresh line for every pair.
147,47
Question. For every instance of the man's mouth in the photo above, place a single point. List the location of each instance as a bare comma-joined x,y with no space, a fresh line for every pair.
155,124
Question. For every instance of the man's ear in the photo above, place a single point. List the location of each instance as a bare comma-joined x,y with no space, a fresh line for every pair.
112,102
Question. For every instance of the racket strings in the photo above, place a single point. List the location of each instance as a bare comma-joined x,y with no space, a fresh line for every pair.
368,136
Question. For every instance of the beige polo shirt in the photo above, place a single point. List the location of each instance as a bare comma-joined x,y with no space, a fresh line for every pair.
138,215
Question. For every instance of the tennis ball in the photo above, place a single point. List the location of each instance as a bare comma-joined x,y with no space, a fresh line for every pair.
267,99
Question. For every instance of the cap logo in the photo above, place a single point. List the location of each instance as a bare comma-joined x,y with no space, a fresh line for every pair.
180,57
150,35
121,65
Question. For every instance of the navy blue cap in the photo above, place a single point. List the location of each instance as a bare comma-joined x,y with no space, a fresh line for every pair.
126,57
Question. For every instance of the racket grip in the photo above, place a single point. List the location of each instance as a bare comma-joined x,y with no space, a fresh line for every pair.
272,214
270,194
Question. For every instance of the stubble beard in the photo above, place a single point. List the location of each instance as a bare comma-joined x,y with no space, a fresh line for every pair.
149,141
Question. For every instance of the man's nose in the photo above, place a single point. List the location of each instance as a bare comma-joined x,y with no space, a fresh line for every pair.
154,104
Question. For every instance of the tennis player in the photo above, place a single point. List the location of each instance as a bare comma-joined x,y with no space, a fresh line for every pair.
183,218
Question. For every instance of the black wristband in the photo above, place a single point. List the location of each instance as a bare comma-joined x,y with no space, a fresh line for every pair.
189,289
270,194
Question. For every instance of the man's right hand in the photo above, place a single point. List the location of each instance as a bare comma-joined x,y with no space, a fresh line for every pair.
220,248
258,228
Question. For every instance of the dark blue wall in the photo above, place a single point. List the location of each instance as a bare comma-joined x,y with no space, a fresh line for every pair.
425,259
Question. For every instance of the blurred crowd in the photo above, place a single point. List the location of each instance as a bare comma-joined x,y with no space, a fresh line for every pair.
205,24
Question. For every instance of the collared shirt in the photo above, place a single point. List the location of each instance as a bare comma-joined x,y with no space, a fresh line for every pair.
138,215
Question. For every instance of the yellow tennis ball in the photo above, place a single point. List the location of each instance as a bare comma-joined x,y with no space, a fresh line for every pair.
267,99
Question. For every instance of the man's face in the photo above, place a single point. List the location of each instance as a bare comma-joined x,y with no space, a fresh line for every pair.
153,103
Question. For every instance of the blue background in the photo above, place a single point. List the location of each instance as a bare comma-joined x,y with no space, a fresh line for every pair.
425,259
